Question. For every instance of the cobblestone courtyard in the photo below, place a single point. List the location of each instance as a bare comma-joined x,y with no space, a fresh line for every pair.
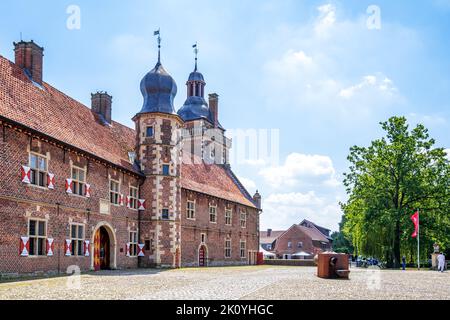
252,282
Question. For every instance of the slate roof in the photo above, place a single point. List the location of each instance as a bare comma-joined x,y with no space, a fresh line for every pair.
60,117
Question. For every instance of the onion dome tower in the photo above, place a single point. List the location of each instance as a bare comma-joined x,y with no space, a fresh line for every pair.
195,107
158,133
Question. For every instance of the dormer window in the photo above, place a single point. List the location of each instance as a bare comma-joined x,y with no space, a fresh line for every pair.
132,156
149,132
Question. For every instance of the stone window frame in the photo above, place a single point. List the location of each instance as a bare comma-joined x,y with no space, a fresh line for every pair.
203,238
190,210
36,237
80,183
243,250
243,222
35,171
211,214
79,242
230,210
132,198
227,249
133,241
116,193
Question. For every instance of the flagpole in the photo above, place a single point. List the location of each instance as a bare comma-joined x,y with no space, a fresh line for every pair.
418,239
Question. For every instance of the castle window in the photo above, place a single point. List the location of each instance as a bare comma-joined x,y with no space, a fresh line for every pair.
165,214
203,238
190,209
227,248
242,247
228,217
165,168
114,189
79,181
37,233
38,168
212,214
77,237
243,219
300,244
133,243
133,204
289,245
149,132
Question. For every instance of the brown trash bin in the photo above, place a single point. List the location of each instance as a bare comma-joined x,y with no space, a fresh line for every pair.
333,266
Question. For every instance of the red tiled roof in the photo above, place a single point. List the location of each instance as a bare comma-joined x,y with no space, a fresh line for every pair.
211,179
263,238
53,113
60,117
313,233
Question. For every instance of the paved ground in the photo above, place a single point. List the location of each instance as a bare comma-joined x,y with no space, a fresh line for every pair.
252,282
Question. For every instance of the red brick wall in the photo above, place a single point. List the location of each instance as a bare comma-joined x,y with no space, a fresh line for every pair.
216,233
19,201
294,235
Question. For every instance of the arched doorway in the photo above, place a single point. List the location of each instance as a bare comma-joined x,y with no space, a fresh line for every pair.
202,256
103,248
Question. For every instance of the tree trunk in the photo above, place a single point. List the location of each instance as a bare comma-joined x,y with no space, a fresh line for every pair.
397,245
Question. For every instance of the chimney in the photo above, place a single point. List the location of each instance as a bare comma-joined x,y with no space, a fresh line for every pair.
101,103
214,107
269,232
29,56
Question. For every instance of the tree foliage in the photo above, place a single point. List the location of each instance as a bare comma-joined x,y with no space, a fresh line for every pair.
387,182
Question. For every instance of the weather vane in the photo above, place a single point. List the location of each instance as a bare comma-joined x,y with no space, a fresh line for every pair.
196,53
157,33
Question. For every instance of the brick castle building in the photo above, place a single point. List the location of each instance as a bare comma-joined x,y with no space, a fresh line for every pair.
78,188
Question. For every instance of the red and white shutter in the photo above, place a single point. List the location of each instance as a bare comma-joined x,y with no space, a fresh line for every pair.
87,248
141,250
128,202
141,204
50,247
25,174
68,247
24,246
128,249
51,181
69,186
88,191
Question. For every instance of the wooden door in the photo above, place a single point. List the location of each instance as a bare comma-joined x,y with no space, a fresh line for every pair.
97,262
202,256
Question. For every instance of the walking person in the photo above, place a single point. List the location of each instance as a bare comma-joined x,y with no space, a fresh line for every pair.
441,262
403,263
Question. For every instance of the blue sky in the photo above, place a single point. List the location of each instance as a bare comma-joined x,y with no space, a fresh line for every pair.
312,69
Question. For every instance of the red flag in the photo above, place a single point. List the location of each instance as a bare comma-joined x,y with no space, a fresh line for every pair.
415,220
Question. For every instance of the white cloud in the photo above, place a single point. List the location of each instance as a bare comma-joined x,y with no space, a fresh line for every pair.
326,19
379,83
430,120
249,184
280,211
301,169
448,154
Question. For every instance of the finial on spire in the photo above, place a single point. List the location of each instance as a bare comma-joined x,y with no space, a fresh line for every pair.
196,53
157,33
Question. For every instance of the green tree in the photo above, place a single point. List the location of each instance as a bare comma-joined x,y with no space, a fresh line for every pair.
389,180
341,243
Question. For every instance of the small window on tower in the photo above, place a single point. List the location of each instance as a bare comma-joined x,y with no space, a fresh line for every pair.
165,169
165,214
149,132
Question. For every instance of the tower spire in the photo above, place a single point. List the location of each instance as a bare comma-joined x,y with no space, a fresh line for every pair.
196,55
157,33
